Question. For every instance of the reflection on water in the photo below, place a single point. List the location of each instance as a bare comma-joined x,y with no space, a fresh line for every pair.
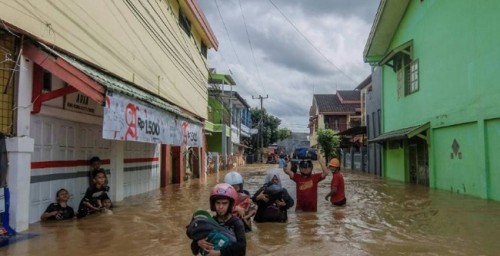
381,218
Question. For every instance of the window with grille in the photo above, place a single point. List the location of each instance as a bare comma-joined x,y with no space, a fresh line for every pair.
406,74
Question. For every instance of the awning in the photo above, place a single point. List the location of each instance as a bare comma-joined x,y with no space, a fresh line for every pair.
400,49
94,80
402,134
241,145
353,131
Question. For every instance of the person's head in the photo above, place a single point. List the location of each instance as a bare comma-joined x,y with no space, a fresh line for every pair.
62,195
235,179
334,165
99,177
273,177
106,203
223,197
95,162
305,167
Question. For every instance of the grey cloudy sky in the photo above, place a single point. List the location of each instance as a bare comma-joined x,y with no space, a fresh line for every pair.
260,45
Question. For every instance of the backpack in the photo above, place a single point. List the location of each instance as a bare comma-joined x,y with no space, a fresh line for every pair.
306,153
203,226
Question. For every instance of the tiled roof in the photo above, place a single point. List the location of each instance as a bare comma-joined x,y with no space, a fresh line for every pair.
330,103
349,95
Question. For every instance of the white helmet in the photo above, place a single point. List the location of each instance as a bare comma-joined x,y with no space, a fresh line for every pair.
233,178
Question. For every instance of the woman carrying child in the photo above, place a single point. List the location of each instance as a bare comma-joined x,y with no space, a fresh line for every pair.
272,200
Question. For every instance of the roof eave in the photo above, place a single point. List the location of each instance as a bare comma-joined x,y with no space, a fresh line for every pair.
389,15
208,33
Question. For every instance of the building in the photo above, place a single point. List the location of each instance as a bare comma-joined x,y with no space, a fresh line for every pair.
370,118
228,126
125,81
440,117
339,112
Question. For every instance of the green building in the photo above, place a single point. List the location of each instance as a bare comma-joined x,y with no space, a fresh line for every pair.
440,95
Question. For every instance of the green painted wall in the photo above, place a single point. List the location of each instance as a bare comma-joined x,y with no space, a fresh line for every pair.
214,142
463,172
492,128
217,109
395,164
457,45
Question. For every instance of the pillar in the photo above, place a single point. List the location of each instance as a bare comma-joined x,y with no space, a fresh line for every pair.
117,166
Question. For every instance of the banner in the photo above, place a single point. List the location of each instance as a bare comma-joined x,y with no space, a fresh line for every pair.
128,119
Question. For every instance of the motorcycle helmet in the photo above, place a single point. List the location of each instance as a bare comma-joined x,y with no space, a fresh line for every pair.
223,191
234,178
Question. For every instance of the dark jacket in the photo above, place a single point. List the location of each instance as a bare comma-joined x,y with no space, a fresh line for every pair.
234,249
265,209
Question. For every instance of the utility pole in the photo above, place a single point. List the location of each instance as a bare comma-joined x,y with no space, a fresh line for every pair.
260,142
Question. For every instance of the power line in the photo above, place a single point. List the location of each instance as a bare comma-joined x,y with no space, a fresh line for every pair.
310,43
251,47
227,32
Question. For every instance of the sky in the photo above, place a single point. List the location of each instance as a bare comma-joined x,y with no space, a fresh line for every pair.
288,50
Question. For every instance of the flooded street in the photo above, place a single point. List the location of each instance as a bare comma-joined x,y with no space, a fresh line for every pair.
381,218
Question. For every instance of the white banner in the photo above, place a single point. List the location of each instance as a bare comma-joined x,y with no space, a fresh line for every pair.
128,119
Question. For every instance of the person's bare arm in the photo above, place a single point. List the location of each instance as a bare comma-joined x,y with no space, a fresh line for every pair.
324,169
288,169
47,215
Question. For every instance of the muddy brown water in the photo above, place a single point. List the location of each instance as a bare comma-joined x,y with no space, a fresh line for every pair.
381,218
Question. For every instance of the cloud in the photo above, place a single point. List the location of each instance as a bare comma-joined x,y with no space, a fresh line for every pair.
316,47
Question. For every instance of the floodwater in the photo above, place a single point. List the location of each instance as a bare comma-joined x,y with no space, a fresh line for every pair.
381,218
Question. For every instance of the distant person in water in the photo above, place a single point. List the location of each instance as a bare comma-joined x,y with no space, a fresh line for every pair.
59,210
337,192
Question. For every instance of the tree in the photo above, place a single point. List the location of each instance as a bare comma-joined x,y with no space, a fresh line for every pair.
269,127
328,143
283,133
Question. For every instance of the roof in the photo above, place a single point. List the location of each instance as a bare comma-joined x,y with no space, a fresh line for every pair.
221,79
353,131
205,26
365,83
330,103
401,134
115,84
349,96
389,15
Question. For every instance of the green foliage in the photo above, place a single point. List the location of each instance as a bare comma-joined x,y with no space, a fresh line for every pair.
269,127
328,143
283,133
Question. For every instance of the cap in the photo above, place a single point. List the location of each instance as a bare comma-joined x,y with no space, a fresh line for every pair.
334,163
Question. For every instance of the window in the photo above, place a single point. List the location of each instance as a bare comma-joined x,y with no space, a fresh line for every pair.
412,85
184,23
47,81
204,50
406,73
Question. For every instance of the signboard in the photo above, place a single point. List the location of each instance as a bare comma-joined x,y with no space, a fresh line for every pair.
235,134
81,103
131,120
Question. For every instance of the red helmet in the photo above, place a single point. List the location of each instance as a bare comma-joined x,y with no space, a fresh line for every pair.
223,191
